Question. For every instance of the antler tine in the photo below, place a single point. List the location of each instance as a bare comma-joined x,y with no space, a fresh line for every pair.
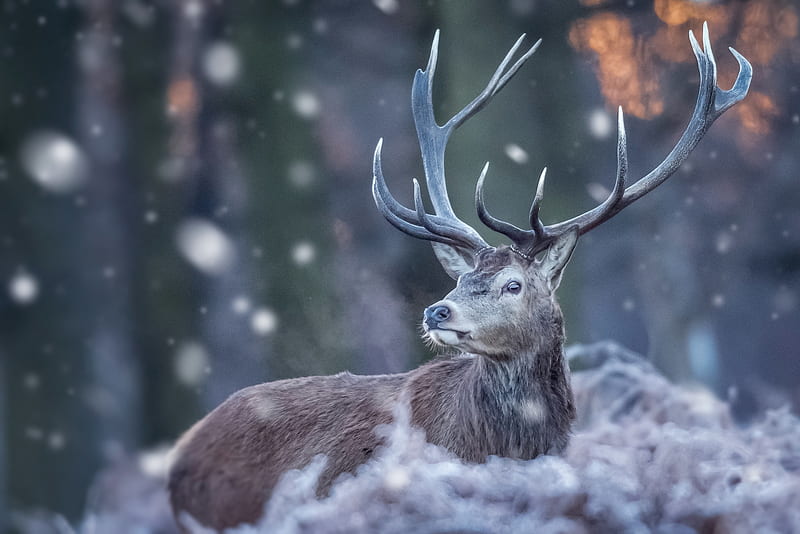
404,226
536,222
380,189
442,226
711,103
498,80
423,226
486,218
398,215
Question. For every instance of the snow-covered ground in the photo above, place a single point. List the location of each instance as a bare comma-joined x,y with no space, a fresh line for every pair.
646,456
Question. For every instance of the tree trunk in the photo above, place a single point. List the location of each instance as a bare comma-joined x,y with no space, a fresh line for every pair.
205,159
107,240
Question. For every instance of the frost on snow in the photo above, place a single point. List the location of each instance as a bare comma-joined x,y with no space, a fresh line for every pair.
646,456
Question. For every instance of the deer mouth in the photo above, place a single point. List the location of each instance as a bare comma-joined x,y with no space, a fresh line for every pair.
447,336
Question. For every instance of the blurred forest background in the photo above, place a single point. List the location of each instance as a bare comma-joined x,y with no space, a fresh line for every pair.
185,203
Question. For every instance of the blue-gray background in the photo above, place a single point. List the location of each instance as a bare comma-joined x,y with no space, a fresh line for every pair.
185,201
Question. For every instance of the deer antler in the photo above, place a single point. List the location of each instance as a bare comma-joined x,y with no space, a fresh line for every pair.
445,227
711,103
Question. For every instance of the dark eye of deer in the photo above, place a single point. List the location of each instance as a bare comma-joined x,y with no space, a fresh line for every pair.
513,287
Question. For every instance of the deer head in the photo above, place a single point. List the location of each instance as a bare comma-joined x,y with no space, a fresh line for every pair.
504,301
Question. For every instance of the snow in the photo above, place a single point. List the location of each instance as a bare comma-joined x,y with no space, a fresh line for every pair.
388,7
150,217
303,253
263,321
598,192
193,9
240,305
294,41
516,153
54,161
724,242
221,63
56,441
600,124
205,246
646,456
23,288
306,104
301,174
191,363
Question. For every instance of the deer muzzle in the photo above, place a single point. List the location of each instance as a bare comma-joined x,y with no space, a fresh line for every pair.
437,314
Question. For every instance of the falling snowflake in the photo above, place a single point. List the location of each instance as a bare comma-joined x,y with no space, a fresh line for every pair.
264,321
785,301
23,288
303,253
724,242
389,7
31,381
54,161
205,246
306,104
191,363
193,9
240,305
34,433
294,41
221,63
301,174
597,191
56,441
599,124
516,153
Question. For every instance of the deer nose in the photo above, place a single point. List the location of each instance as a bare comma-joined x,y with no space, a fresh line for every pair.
434,315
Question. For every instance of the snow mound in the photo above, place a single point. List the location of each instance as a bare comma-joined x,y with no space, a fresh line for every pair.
647,456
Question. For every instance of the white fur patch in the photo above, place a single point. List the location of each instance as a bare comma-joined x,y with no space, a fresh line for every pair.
445,337
263,407
532,410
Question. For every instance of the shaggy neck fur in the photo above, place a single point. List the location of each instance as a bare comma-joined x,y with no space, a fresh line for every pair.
475,406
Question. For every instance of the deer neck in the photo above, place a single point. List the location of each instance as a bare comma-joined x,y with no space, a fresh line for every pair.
510,380
518,407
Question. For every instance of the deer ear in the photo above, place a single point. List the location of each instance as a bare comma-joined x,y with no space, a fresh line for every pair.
455,261
557,256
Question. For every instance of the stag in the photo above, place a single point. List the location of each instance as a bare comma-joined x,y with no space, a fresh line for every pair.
505,392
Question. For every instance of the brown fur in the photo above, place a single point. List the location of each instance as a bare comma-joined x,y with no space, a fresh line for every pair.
516,402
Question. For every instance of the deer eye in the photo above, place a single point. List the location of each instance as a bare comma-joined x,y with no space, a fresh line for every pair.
513,287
